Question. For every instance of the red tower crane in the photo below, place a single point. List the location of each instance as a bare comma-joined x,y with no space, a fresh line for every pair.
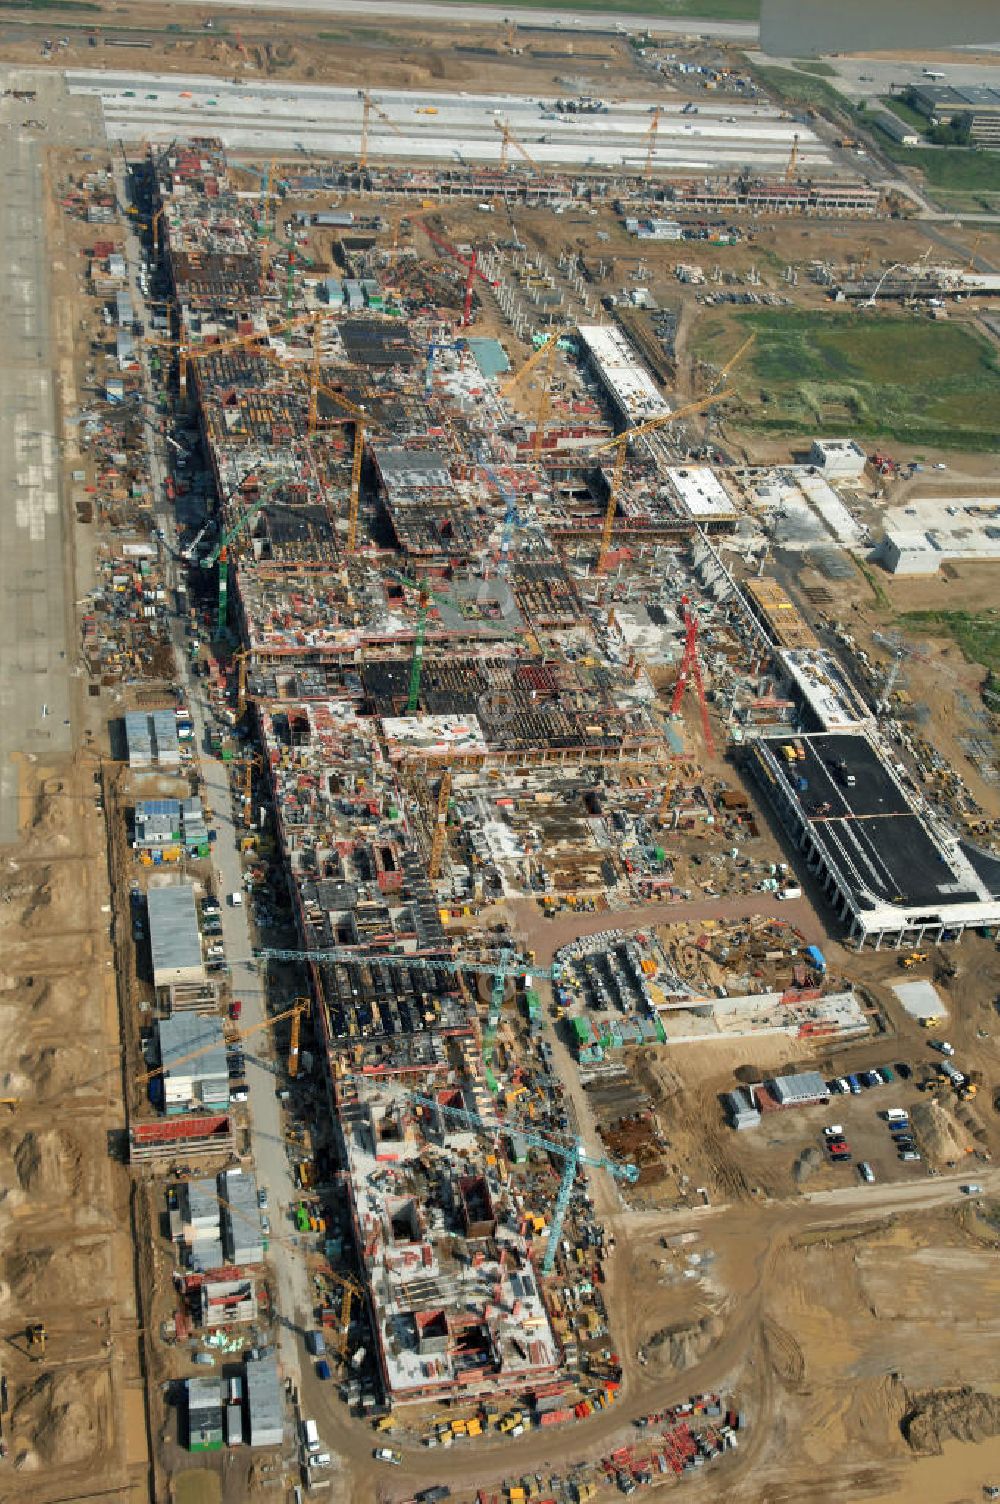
691,669
472,271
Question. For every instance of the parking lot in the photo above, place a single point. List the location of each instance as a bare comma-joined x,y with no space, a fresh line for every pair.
862,1118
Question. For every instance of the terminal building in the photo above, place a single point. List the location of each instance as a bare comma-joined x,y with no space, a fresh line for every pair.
625,378
892,877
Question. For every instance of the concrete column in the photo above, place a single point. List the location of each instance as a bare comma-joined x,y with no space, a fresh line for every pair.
878,940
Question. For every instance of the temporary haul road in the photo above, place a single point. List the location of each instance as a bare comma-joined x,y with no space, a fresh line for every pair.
722,137
412,10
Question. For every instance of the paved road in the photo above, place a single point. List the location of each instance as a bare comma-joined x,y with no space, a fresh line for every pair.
34,666
612,20
317,119
293,1295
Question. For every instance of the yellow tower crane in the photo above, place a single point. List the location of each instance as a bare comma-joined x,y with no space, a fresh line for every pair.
368,108
734,361
299,1006
508,140
362,423
546,353
620,445
440,825
793,160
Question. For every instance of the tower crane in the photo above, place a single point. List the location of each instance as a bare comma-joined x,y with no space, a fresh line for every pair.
220,551
620,445
299,1006
573,1156
507,140
362,423
793,159
734,360
691,669
545,353
505,965
654,126
440,825
349,1288
472,271
368,108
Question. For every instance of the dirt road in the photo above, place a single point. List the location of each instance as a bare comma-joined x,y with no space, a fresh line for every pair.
760,1231
546,936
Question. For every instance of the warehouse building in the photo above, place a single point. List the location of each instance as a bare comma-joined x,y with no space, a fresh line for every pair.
193,1057
929,531
265,1403
174,936
890,125
799,1090
978,104
891,877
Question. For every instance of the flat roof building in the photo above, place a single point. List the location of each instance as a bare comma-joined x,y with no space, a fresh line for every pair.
626,380
174,936
839,459
799,1090
265,1403
193,1056
151,737
204,1414
892,875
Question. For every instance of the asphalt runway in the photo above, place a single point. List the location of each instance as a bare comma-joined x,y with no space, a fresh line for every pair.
722,136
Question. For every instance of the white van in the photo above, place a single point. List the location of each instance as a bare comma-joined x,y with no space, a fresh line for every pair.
236,900
310,1434
896,1115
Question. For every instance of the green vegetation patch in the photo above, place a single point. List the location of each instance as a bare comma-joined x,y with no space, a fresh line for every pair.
802,89
953,169
857,373
48,5
711,10
976,632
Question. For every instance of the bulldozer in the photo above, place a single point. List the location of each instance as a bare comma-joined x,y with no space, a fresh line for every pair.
913,959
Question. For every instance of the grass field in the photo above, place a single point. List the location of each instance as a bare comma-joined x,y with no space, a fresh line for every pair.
711,10
802,89
976,632
860,373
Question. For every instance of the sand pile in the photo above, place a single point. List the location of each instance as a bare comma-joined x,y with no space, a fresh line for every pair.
939,1135
807,1164
48,1163
687,1344
950,1414
64,1418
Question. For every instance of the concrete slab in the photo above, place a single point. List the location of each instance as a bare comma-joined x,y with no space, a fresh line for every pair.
34,669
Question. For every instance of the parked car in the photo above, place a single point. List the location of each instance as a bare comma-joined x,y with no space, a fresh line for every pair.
866,1172
902,1070
388,1454
943,1046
